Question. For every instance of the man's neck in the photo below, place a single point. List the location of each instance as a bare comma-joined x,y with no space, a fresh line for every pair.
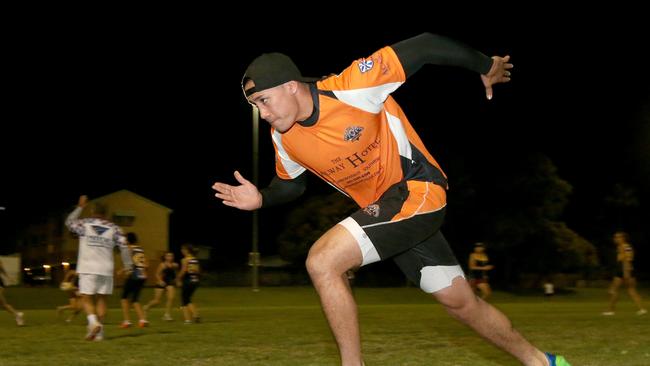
305,102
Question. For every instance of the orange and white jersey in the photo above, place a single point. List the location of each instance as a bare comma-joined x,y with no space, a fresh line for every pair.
358,138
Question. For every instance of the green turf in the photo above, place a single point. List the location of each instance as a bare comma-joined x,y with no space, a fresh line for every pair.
285,326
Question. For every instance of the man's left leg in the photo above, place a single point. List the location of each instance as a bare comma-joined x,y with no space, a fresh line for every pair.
461,303
432,265
104,289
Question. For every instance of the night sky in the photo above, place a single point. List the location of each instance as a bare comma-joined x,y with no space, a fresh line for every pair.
157,109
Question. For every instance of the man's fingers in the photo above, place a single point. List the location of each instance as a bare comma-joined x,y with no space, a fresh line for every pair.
240,178
229,203
488,92
222,188
223,196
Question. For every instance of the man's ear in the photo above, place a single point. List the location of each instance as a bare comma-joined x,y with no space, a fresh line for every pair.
292,85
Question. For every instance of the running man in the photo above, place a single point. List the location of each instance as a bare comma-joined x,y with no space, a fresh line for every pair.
97,239
349,131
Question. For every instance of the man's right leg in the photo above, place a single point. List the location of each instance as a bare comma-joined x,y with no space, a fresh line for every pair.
88,304
94,325
88,288
329,258
87,291
104,286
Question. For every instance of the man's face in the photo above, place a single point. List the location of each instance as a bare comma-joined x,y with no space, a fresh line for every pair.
277,105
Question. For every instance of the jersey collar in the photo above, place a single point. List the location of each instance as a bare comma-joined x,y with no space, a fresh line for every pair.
311,120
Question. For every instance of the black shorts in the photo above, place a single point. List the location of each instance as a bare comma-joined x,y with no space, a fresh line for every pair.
478,275
132,288
187,291
404,224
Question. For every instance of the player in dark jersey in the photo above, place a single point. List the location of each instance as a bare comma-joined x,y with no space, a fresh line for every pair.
19,315
188,279
349,131
624,274
136,276
165,282
478,267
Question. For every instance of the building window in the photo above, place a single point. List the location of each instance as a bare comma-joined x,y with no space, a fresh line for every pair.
124,218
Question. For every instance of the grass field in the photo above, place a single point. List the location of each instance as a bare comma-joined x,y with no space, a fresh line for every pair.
285,326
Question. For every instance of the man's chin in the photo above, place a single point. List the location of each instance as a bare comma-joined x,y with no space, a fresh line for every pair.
282,128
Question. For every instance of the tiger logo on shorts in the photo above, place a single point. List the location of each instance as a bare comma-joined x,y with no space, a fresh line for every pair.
372,210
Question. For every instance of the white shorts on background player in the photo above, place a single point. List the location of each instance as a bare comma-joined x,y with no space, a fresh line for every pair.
91,284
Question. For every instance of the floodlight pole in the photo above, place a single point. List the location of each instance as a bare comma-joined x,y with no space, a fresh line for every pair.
254,257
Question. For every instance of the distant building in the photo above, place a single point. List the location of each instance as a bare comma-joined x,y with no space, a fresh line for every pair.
11,265
50,243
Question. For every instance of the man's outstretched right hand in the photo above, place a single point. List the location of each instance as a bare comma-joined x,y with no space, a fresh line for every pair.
244,196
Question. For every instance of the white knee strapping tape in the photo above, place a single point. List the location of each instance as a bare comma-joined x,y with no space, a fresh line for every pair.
436,278
368,250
